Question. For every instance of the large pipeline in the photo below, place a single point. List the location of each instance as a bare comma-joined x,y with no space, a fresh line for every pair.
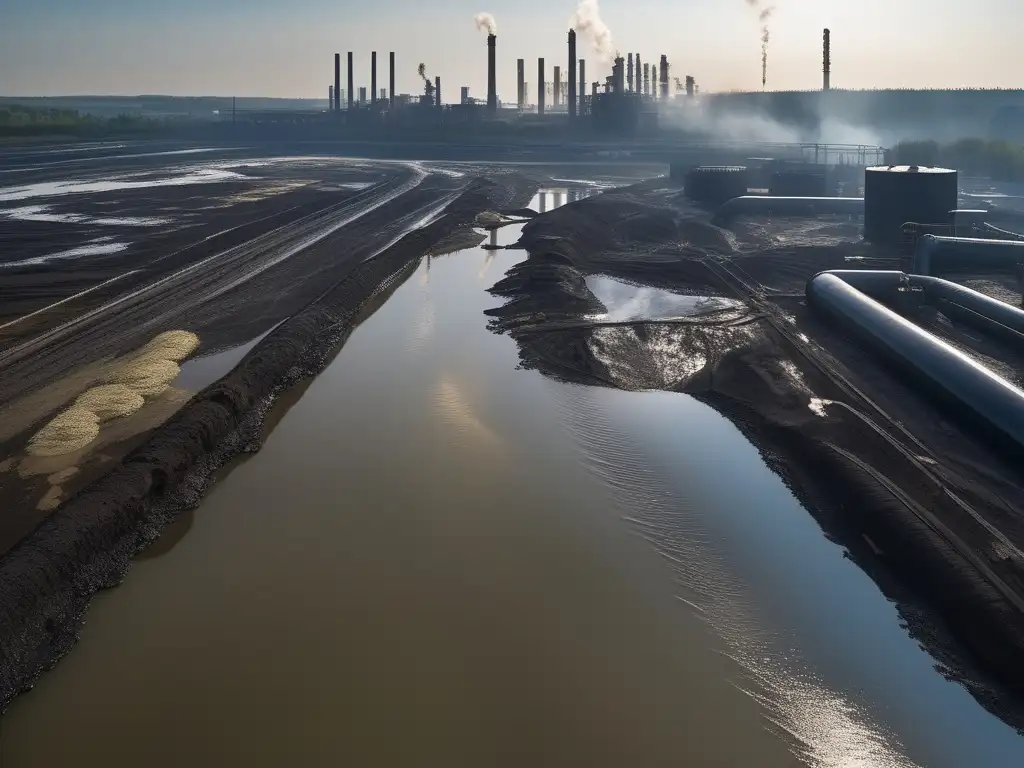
957,301
966,254
789,206
972,390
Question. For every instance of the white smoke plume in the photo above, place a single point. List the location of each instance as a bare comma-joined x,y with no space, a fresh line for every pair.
485,23
764,14
587,21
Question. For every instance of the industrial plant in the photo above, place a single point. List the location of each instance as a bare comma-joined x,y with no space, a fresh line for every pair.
625,101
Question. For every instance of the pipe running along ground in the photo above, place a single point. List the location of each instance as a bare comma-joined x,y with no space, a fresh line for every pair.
970,390
789,206
966,254
956,301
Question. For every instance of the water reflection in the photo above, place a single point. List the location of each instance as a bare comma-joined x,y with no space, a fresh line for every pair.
430,552
626,301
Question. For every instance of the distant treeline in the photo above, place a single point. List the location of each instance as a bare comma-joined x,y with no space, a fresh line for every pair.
998,160
20,121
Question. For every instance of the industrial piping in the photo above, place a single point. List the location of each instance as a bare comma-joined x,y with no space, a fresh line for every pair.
789,206
953,378
949,254
983,312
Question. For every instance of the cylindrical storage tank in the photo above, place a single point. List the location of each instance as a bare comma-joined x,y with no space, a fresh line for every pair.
716,184
798,184
896,194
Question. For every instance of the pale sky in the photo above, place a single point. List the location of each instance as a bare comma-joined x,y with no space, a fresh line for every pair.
275,48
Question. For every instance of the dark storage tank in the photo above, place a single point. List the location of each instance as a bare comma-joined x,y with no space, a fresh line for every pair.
716,184
896,194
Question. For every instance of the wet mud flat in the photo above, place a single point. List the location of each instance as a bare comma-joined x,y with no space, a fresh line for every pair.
924,505
56,560
223,251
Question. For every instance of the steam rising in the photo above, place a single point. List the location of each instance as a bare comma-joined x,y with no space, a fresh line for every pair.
485,23
587,21
764,14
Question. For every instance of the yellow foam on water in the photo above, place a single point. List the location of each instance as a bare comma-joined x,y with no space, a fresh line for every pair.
67,432
110,401
170,345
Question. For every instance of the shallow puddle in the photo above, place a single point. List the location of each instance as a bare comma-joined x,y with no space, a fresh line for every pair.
626,301
440,559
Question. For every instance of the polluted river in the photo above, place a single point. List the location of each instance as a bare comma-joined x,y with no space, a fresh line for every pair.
440,558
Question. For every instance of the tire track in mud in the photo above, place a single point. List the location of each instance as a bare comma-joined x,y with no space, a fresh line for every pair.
188,296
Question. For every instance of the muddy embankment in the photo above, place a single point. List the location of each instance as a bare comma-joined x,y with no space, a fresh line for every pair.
911,496
48,579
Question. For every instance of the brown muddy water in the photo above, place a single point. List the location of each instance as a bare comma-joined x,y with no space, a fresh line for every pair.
440,559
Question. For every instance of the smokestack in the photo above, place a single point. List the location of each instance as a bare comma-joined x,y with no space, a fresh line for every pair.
663,77
521,82
583,83
827,60
540,86
336,104
629,72
654,81
351,81
391,80
556,91
572,73
373,78
618,81
492,81
638,73
437,92
647,79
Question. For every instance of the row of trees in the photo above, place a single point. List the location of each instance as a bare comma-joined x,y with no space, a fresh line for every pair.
998,160
20,120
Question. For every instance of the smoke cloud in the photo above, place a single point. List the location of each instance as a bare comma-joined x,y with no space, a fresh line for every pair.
485,23
763,15
587,22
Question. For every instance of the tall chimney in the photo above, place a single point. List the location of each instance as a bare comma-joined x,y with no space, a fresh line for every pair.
572,73
391,81
437,92
492,77
337,82
663,77
827,60
638,73
351,81
583,83
540,86
373,78
521,82
556,90
629,71
654,81
647,79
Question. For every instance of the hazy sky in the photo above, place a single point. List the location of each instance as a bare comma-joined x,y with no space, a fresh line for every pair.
275,48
